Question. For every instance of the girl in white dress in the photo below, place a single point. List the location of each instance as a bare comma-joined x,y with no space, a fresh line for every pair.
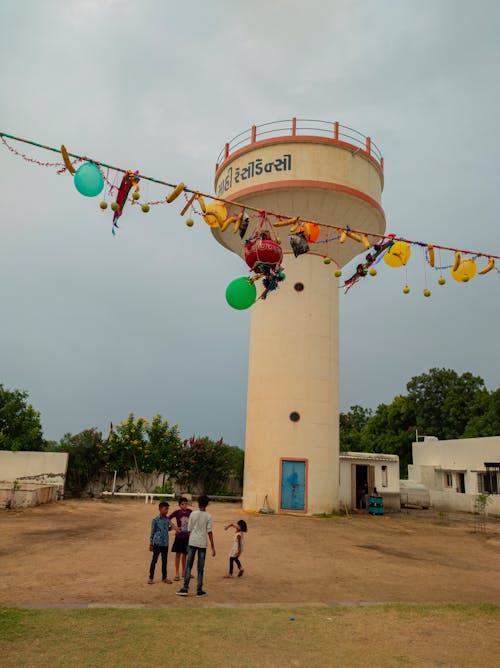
237,548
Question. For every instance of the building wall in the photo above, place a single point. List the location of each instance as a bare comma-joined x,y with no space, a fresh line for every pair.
30,478
22,495
133,483
414,494
36,467
459,453
390,493
309,159
439,465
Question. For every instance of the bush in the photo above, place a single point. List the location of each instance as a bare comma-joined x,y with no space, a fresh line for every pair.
206,465
166,488
85,460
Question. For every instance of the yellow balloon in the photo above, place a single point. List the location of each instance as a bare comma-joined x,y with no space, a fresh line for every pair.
465,271
215,214
398,254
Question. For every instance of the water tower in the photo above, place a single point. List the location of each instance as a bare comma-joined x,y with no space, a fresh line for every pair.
327,173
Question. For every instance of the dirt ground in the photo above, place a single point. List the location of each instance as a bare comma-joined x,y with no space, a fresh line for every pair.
83,552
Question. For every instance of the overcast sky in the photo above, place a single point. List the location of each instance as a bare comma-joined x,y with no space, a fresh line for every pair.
95,326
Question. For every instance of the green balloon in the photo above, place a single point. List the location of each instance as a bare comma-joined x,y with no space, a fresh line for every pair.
88,179
241,293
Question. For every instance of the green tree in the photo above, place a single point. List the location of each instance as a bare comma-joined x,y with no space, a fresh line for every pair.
52,446
487,423
20,426
391,430
237,456
85,460
206,465
166,445
143,447
351,426
440,403
445,402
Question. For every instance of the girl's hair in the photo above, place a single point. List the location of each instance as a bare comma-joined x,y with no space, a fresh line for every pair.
243,525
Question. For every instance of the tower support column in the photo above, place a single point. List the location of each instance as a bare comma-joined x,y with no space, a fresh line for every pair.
292,403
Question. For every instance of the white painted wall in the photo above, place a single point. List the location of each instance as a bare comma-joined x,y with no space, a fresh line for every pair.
459,453
26,494
390,492
432,460
36,467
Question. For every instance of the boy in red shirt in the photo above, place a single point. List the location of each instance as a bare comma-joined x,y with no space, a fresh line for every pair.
180,546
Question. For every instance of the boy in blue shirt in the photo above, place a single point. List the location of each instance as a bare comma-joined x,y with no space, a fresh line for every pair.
158,542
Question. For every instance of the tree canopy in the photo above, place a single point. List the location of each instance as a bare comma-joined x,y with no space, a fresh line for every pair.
85,460
148,448
143,446
445,402
440,403
487,421
352,425
206,464
20,426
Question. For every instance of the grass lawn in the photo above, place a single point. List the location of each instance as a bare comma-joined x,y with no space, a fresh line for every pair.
385,635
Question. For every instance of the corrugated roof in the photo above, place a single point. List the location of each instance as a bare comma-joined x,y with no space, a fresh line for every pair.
376,456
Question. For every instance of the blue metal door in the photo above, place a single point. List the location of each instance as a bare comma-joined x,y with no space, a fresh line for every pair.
293,476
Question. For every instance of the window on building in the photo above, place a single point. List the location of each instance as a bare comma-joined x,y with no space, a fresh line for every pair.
461,483
448,479
488,482
384,476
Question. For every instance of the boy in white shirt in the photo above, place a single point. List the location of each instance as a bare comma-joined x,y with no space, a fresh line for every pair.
199,527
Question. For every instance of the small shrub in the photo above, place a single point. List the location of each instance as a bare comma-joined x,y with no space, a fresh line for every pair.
166,488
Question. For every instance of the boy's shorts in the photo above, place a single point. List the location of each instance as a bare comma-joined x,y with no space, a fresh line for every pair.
180,545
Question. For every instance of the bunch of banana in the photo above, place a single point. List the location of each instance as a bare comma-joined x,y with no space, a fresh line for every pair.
430,251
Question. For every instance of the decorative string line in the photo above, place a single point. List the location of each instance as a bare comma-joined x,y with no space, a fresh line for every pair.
448,266
279,216
325,241
135,202
111,186
28,159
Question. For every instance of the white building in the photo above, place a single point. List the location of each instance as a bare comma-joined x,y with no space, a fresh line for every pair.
456,471
373,469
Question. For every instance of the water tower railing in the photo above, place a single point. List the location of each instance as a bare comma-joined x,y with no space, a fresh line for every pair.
296,127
